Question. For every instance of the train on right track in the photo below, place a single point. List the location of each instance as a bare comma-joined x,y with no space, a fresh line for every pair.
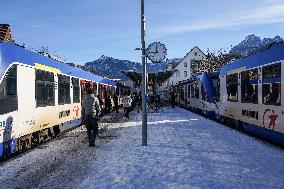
246,94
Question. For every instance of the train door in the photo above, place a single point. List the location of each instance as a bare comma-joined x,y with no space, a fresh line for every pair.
29,119
83,93
8,111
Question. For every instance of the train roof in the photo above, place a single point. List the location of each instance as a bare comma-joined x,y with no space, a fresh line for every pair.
273,54
10,53
199,77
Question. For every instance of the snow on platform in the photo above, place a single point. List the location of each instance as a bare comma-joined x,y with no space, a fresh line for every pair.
184,151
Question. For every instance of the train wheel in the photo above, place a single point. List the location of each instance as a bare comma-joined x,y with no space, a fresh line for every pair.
239,125
204,112
35,139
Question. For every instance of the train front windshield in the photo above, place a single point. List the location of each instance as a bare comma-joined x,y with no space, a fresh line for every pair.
8,91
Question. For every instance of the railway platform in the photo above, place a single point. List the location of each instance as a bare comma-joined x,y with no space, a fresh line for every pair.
184,150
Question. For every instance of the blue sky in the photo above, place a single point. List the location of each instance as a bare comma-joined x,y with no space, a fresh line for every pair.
83,30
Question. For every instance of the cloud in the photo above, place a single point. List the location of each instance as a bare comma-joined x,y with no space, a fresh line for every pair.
265,14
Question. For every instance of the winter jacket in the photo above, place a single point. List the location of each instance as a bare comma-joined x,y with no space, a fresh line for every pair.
126,101
91,105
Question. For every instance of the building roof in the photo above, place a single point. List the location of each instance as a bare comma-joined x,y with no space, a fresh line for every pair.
173,60
174,66
5,32
10,53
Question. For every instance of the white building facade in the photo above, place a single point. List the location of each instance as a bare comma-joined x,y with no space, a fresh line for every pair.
183,66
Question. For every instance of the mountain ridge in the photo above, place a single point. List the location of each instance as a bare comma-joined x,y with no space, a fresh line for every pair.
111,67
252,44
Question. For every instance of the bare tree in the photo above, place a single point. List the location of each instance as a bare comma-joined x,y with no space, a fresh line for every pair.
214,61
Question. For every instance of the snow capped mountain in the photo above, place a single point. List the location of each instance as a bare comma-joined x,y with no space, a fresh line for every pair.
111,67
252,43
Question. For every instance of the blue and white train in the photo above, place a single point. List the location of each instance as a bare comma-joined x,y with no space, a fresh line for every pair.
40,97
246,94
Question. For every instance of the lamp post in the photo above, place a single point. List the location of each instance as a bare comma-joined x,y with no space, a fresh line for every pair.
144,84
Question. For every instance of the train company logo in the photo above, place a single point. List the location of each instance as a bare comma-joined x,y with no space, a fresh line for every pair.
271,117
76,110
64,114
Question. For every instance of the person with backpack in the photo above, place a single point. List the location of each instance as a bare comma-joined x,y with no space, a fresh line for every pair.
92,109
126,104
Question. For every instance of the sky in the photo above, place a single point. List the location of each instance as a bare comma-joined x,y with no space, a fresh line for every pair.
82,30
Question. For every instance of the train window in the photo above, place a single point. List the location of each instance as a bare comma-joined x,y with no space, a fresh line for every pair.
216,85
271,87
196,90
63,89
181,93
44,88
76,90
96,88
232,87
8,92
249,86
191,91
185,92
100,90
188,91
203,93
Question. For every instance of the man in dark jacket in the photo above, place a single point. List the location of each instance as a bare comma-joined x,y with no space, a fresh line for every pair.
92,109
115,100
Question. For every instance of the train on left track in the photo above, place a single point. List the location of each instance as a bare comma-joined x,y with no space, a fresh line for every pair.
40,97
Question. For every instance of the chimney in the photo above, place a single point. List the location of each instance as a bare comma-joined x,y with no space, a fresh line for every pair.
5,33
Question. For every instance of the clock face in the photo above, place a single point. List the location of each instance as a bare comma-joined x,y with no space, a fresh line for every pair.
156,52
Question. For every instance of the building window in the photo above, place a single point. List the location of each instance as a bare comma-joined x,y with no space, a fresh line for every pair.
63,89
185,73
185,64
271,84
177,74
232,87
8,92
195,53
249,86
76,90
45,90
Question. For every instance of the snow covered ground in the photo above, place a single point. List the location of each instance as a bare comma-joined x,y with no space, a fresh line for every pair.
184,151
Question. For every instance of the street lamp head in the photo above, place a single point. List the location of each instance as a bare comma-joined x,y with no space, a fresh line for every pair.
137,49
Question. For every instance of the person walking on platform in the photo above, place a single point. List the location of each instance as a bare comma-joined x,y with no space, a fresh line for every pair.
92,109
126,104
108,104
115,101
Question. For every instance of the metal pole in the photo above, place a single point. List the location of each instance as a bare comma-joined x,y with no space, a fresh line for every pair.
144,84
